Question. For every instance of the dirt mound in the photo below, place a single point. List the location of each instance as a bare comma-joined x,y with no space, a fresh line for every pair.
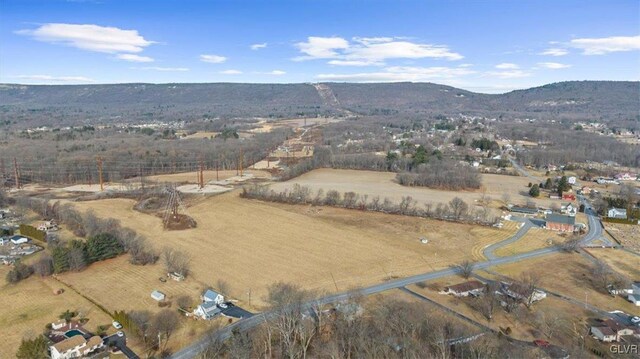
180,222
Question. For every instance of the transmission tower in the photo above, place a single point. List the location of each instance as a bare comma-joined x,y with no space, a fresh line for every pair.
173,206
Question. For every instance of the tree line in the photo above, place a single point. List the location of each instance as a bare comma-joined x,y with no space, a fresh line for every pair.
455,210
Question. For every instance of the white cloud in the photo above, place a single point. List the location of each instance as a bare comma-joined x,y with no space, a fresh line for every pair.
258,46
213,59
553,65
554,52
231,72
507,66
90,37
401,73
276,73
55,79
369,50
321,47
134,58
167,69
604,45
355,63
508,74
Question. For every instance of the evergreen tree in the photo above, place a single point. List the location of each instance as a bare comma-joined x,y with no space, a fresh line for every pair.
534,191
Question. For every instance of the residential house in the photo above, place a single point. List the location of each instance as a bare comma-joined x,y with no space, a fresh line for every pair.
571,179
473,288
634,296
74,347
212,296
626,176
157,295
620,213
48,226
569,209
523,293
207,310
18,239
604,334
4,241
560,223
586,190
523,210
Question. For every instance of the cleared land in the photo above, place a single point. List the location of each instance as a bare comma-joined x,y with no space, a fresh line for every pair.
382,184
535,238
568,274
209,175
252,244
29,305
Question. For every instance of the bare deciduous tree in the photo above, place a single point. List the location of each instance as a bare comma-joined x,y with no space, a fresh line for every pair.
176,261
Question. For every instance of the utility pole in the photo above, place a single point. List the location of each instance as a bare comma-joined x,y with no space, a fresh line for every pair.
201,174
15,168
100,173
241,161
217,168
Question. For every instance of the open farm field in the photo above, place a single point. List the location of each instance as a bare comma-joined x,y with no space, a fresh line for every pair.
382,184
535,238
570,275
251,244
31,304
627,234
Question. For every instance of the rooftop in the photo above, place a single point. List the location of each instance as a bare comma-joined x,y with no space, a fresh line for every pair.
559,218
69,344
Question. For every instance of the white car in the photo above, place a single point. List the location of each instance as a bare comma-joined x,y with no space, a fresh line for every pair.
635,320
116,325
223,306
120,334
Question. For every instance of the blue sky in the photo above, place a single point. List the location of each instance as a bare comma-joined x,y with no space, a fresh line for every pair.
484,46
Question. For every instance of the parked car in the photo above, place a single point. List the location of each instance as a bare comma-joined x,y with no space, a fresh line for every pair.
223,306
117,325
120,334
635,320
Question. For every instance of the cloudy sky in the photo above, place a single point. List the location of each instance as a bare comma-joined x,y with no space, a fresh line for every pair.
484,46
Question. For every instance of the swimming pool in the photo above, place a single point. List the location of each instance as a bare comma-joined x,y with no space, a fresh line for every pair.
72,333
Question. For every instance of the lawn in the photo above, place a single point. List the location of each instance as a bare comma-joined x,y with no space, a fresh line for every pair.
535,238
29,305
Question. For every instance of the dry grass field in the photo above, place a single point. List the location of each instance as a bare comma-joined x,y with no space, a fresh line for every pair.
252,244
29,305
382,184
624,262
523,327
535,238
627,234
568,274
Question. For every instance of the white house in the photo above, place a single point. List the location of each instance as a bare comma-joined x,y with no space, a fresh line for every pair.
634,296
604,334
212,296
18,239
473,288
75,347
620,213
207,310
626,177
571,179
157,295
569,209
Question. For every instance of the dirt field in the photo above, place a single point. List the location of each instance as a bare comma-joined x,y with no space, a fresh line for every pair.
29,305
209,175
535,238
251,244
382,184
567,274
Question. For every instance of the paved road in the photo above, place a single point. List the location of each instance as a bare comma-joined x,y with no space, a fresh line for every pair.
489,251
595,231
522,171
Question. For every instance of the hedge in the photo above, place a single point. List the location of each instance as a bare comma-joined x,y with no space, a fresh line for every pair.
33,232
620,220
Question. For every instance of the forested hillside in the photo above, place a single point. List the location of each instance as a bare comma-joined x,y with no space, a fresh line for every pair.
30,105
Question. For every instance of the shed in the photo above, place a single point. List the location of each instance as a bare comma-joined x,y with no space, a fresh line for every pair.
157,295
18,239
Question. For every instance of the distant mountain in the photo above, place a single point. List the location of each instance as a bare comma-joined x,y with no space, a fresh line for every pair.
55,105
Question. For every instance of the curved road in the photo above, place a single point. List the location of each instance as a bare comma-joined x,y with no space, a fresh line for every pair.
489,250
595,232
